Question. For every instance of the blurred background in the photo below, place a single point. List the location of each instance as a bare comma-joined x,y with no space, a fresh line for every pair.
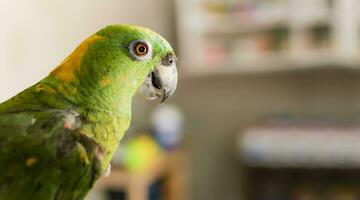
267,105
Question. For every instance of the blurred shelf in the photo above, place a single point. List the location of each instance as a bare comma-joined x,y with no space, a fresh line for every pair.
321,21
235,29
302,144
258,31
275,63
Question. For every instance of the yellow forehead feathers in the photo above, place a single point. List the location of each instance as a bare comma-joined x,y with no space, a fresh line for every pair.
65,71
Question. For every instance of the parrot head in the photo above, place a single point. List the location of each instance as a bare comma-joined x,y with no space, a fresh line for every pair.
119,60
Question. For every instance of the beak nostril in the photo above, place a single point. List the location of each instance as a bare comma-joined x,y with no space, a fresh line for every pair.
168,60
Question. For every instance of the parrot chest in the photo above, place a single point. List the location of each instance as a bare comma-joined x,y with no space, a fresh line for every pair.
106,130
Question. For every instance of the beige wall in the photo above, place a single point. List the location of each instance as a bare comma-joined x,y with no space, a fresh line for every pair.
35,35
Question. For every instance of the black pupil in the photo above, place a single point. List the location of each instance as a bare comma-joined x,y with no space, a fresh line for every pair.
142,49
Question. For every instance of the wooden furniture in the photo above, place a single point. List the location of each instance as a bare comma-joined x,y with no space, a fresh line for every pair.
171,165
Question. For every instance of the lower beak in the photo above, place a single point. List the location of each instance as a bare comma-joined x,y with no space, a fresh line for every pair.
160,83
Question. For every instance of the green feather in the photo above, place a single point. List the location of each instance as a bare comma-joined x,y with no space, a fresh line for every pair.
40,159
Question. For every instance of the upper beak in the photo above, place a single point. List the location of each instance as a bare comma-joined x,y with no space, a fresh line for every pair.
161,82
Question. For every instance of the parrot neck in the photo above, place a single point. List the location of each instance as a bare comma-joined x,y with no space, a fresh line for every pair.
85,98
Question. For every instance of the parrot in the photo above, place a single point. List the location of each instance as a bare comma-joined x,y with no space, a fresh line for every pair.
58,136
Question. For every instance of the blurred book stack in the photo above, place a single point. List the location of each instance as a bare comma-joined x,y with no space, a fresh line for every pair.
230,36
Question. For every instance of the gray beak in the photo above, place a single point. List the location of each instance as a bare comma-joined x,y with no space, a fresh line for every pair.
161,82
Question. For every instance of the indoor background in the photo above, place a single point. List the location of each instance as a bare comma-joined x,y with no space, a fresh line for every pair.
267,105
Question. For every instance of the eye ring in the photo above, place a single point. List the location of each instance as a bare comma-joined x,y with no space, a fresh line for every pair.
140,50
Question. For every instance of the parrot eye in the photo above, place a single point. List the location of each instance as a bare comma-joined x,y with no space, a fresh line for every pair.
140,50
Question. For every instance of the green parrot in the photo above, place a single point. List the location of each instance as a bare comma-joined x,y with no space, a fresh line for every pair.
58,136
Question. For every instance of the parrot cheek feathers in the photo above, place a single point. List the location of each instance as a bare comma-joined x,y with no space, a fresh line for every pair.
160,83
147,91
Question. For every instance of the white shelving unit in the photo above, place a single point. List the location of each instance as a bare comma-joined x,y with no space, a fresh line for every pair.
303,147
228,36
